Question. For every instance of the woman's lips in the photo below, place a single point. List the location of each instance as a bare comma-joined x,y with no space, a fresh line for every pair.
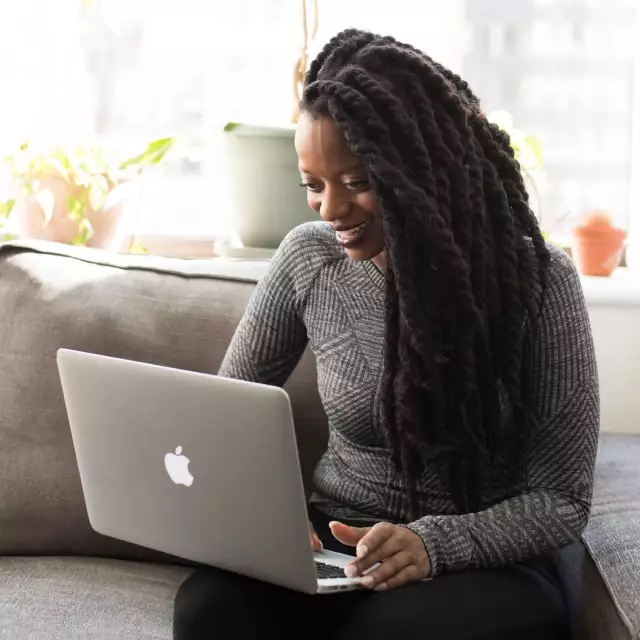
351,237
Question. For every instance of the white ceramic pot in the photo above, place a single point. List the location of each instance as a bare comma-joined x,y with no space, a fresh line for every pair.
256,169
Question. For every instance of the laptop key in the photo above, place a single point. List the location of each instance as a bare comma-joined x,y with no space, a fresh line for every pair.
328,571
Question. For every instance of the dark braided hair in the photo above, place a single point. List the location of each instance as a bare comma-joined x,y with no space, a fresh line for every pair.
467,262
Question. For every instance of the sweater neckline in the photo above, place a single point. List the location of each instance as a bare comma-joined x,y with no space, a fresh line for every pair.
374,273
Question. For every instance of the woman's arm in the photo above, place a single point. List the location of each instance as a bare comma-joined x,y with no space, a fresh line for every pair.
555,507
271,337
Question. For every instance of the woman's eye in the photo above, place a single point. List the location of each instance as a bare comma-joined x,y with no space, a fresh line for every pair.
357,185
312,186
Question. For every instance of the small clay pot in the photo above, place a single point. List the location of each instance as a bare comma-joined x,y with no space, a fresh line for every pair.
597,249
109,222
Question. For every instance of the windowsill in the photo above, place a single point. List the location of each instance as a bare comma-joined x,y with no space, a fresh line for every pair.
173,246
622,289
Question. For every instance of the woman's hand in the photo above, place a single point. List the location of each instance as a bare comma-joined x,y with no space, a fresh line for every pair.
316,543
400,551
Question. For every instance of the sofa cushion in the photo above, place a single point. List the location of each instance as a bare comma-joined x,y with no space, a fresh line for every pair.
58,598
613,534
170,312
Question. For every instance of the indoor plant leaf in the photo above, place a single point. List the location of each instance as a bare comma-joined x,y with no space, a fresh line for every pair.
230,126
98,190
85,232
43,166
153,154
137,247
75,208
47,202
78,171
6,208
536,148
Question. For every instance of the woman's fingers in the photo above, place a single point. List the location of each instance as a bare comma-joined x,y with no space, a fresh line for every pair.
373,538
388,570
316,543
393,555
347,535
387,549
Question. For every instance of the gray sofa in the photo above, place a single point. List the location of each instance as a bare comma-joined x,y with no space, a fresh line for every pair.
61,580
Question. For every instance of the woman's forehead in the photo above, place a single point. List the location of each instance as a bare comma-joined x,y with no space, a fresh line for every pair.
320,144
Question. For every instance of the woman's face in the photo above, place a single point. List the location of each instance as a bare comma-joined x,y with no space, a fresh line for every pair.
338,188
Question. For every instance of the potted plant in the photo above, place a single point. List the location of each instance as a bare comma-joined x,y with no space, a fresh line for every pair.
75,194
597,244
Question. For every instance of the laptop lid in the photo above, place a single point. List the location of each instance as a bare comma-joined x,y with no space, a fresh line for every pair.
198,466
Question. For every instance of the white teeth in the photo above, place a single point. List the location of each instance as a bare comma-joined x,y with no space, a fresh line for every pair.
351,235
351,232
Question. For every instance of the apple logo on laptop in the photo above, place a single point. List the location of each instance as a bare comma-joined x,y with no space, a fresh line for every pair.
177,466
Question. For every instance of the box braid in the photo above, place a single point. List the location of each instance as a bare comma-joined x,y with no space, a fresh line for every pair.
467,262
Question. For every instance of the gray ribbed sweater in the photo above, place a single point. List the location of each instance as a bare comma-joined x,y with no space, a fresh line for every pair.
314,294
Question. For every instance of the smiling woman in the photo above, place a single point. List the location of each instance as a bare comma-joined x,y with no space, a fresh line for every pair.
455,365
338,187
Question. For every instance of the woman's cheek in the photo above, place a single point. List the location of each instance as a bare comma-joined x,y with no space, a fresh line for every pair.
368,202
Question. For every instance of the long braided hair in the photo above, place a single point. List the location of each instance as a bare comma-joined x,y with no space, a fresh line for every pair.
467,263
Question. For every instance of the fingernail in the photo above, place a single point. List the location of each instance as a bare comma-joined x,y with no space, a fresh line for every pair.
361,551
381,587
351,571
367,581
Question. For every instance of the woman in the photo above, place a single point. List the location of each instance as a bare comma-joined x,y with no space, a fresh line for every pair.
455,365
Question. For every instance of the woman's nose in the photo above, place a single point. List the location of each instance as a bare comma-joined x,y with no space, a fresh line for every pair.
333,208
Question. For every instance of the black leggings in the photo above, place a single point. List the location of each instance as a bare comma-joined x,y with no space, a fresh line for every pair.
522,602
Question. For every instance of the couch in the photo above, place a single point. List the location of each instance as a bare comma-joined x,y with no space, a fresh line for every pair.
61,580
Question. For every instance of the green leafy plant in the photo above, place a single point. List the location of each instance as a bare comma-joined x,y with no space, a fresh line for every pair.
89,172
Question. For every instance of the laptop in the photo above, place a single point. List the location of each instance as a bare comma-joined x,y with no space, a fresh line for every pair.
198,466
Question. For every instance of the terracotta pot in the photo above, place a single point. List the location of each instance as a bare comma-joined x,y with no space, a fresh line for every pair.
109,223
597,250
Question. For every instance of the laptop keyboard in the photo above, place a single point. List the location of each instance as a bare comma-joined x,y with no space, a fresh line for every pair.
328,571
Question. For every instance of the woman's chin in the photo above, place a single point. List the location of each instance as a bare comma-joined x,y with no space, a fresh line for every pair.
366,245
366,250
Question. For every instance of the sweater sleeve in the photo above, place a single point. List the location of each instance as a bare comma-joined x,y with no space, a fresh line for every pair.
270,337
553,510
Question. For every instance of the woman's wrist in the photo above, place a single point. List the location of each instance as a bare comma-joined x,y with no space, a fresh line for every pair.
431,544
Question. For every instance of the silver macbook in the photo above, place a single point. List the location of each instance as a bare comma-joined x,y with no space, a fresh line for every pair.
198,466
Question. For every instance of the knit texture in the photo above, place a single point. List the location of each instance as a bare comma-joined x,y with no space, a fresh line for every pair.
314,294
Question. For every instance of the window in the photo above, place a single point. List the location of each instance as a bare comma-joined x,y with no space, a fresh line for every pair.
132,70
567,74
